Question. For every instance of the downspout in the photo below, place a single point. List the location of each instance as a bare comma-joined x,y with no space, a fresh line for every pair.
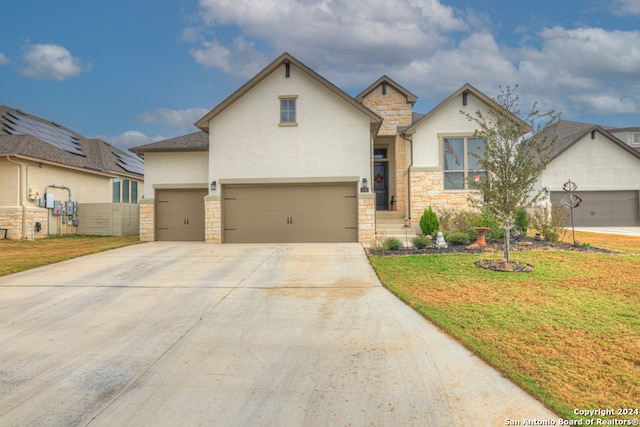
24,207
410,141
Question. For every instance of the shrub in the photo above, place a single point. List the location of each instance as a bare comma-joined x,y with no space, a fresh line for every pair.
522,220
458,238
421,242
550,221
464,221
392,243
429,222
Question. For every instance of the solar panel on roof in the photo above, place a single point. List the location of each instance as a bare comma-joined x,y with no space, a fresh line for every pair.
132,164
17,124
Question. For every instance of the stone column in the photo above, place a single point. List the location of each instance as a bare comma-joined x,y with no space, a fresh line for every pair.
212,219
147,220
366,218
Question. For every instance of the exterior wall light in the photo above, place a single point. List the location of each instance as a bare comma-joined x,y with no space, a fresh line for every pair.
214,185
365,186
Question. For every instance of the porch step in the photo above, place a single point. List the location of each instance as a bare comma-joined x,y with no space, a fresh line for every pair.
391,224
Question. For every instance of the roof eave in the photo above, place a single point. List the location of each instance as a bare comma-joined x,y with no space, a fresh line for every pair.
203,123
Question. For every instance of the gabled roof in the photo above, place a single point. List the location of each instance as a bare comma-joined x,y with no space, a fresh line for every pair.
463,91
411,98
95,155
198,141
285,58
568,133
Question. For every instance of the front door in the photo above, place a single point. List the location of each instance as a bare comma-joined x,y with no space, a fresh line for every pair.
380,185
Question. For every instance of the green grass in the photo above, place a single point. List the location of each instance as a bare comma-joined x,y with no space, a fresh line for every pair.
568,333
21,255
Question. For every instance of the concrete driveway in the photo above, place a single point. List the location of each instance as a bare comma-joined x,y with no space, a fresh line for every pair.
168,334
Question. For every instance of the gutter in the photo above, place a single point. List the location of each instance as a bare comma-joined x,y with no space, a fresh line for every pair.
24,207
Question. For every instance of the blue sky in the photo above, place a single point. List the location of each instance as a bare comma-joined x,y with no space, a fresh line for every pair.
137,71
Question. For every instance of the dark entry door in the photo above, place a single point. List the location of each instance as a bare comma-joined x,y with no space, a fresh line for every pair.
380,185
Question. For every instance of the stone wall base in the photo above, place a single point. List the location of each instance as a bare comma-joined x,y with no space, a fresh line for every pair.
11,219
366,220
212,221
147,220
427,189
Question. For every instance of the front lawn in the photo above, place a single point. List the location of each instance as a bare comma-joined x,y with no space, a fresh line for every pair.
21,255
568,333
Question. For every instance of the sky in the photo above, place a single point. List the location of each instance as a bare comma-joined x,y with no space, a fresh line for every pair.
132,72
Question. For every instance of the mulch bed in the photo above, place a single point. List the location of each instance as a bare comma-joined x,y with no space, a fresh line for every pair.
526,244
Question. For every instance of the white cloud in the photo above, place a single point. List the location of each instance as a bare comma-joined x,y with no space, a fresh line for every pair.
357,31
50,61
600,103
3,59
430,48
177,119
626,7
241,58
128,139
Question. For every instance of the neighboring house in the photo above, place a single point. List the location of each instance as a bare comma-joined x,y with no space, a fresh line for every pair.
56,182
604,162
289,157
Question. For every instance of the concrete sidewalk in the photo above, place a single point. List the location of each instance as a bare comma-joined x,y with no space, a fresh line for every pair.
166,334
623,231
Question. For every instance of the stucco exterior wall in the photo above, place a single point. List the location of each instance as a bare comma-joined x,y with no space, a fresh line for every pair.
83,187
446,120
174,168
426,181
331,138
595,165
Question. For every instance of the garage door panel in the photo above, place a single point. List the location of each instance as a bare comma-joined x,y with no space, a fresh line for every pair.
180,215
604,208
290,213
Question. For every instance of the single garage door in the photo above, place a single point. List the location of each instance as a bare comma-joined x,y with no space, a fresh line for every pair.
290,213
180,214
603,208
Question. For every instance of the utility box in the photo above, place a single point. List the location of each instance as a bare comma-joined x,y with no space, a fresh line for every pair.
48,200
71,208
57,207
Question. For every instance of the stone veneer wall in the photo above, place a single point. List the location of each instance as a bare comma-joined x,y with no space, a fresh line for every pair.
396,112
212,220
402,191
366,219
11,219
427,189
147,220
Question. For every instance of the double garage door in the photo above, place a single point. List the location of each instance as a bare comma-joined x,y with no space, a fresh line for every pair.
291,213
604,208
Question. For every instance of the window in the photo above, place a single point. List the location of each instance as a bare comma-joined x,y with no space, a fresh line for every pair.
287,110
125,191
116,191
636,138
379,153
134,192
460,163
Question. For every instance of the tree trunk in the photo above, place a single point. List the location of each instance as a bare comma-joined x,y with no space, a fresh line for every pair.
507,241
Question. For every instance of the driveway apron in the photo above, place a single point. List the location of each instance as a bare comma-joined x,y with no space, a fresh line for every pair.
168,334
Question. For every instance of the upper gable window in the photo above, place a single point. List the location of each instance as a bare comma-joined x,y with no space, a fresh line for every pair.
288,111
636,138
460,164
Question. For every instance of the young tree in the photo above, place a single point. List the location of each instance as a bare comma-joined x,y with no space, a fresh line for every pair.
516,152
